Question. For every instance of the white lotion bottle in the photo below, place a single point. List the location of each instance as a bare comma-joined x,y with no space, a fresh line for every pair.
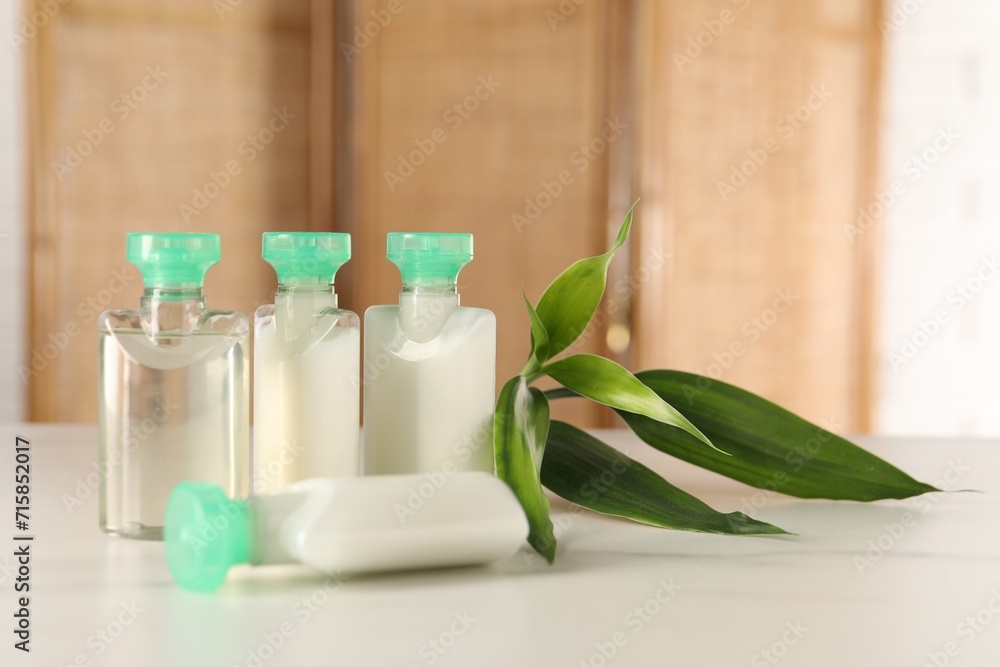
306,366
342,526
430,366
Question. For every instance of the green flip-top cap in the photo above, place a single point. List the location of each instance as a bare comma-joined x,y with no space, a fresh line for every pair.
167,260
306,258
429,259
205,534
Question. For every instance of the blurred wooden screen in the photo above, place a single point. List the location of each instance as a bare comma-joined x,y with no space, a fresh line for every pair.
465,116
758,135
530,123
171,116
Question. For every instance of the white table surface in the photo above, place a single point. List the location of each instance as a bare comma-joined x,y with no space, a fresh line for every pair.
933,588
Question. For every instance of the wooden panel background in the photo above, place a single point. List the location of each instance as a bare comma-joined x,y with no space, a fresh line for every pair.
550,101
783,229
703,266
224,75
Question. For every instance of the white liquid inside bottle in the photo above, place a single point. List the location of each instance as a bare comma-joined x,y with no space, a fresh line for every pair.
306,367
430,366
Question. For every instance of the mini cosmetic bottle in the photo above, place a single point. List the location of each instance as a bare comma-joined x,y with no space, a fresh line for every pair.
430,366
342,526
173,393
306,366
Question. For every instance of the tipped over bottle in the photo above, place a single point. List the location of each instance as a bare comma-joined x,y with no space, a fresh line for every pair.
343,526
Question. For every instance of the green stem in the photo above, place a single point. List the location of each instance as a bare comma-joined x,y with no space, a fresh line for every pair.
560,392
530,370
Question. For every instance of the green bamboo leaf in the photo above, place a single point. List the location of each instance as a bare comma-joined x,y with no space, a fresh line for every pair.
520,428
586,471
539,340
606,382
570,301
771,447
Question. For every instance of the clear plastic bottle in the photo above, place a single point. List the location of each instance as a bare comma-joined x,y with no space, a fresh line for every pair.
430,366
173,395
343,526
306,366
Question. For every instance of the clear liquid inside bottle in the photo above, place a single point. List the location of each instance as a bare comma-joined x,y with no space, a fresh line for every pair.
173,408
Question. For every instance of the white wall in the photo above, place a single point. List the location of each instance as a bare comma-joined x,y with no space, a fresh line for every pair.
13,318
940,319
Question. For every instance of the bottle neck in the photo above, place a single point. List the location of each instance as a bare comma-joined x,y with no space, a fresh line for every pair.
270,514
306,299
423,309
173,307
174,294
317,288
442,289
